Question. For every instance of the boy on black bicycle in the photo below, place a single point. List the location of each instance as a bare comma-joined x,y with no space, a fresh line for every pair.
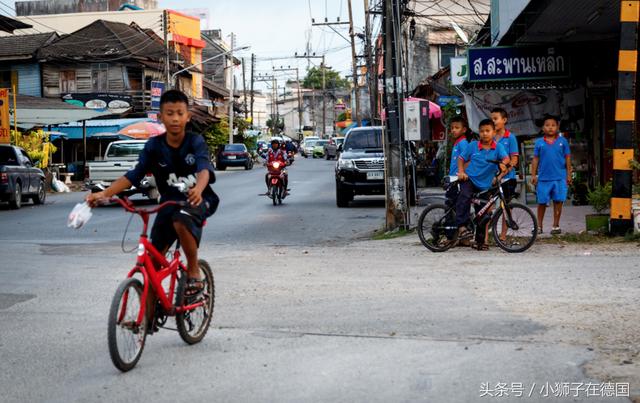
477,174
176,157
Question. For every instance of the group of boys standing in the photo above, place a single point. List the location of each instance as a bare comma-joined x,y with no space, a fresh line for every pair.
472,162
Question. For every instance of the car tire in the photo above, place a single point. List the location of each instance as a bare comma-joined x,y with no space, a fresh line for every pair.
16,200
40,197
343,196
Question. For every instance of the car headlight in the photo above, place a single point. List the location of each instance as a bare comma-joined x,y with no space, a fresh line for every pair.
345,163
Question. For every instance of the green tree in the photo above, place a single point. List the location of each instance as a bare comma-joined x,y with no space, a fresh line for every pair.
216,135
332,79
276,126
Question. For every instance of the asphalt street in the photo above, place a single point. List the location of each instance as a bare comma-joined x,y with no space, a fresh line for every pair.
309,309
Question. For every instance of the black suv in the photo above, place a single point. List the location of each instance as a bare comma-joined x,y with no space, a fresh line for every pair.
360,168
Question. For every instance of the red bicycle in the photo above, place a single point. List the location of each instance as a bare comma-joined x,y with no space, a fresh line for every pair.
128,322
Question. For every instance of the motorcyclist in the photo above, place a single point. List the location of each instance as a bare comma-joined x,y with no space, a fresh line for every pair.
277,153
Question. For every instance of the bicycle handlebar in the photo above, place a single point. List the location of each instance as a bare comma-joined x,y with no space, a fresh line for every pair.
128,205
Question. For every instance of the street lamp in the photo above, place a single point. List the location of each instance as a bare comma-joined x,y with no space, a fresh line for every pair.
173,76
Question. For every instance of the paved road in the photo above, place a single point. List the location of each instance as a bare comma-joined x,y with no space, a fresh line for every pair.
309,216
305,311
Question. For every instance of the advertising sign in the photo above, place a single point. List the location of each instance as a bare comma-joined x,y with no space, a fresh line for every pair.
459,70
114,103
517,63
157,89
5,128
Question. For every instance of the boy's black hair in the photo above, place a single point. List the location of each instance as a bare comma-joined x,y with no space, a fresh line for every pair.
174,96
486,122
548,116
459,119
470,136
501,111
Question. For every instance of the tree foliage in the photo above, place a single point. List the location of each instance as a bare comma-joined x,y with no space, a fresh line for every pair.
332,78
276,126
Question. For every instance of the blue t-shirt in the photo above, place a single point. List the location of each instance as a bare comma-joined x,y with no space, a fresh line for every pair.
174,165
458,148
552,156
510,144
480,170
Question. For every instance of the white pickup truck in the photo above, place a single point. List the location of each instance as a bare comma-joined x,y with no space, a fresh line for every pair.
120,157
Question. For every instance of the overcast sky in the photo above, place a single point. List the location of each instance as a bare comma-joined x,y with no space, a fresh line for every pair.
279,28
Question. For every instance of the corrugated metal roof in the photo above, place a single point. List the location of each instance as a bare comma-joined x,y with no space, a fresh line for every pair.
104,41
565,21
24,45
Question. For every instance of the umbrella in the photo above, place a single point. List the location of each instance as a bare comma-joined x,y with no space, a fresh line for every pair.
143,130
435,112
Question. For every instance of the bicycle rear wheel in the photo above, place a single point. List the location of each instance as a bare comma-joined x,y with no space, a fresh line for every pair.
521,230
126,339
194,324
432,228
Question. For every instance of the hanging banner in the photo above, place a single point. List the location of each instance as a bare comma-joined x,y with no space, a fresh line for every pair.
157,89
517,63
523,108
5,128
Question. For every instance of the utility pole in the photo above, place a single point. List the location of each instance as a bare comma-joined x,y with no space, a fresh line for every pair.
395,182
356,112
299,97
324,87
324,99
253,67
231,93
371,73
167,67
244,88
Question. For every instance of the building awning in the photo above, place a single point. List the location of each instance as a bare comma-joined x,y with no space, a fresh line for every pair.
35,111
98,129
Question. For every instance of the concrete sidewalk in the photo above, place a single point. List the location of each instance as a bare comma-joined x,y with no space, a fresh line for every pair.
572,220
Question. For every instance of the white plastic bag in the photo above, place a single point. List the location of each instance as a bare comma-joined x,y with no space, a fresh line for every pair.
79,216
58,185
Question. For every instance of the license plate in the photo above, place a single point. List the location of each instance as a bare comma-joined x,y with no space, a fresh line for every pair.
232,157
375,175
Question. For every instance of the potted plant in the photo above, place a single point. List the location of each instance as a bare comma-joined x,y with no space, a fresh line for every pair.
600,199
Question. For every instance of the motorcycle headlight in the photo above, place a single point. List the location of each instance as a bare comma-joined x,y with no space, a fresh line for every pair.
344,163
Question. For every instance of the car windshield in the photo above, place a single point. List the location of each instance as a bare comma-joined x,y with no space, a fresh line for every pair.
7,156
125,150
234,147
311,143
321,143
339,140
363,139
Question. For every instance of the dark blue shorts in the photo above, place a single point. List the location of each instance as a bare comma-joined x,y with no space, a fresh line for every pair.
555,191
163,234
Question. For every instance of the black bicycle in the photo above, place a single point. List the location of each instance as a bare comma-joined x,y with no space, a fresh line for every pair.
438,231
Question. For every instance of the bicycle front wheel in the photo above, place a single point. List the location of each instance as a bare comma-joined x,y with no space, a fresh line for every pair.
516,233
126,339
194,324
433,229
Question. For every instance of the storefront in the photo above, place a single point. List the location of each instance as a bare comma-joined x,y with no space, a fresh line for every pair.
544,71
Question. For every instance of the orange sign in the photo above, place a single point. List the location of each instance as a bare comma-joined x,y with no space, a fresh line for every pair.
5,128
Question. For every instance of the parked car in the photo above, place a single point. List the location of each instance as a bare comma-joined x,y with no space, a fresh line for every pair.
234,155
318,148
360,167
119,158
331,148
19,179
307,146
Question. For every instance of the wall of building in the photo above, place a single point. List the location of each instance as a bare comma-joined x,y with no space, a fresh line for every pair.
28,77
44,7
